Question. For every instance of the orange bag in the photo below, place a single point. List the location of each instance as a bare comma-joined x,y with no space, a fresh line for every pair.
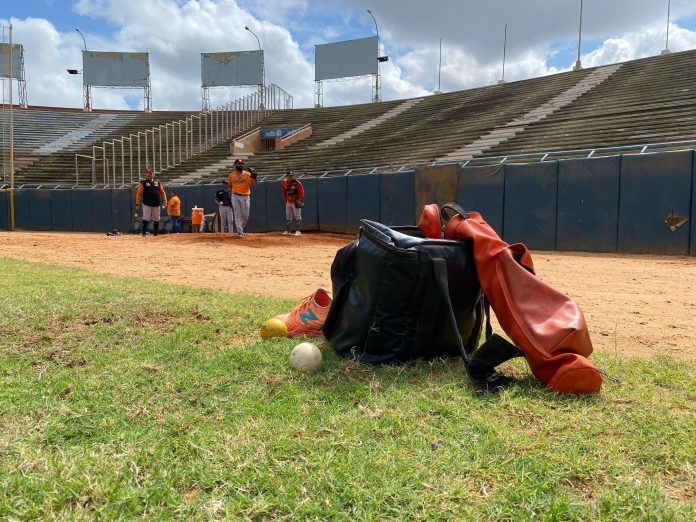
544,323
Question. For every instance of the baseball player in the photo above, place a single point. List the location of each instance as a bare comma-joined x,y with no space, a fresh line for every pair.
223,199
293,193
152,193
240,181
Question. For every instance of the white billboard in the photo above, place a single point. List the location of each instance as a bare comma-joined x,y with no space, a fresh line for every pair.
17,51
107,69
233,68
345,59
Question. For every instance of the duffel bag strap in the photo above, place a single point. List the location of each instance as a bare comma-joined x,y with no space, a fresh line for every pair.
480,366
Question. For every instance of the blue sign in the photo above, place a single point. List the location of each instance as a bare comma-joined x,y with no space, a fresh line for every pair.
270,134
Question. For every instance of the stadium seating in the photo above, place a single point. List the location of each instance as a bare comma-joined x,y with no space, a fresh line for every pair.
642,101
46,140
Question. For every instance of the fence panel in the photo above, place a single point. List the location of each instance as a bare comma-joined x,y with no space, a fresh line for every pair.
530,205
61,210
81,205
588,204
435,185
101,210
5,222
397,202
653,186
362,200
310,211
258,210
482,189
331,202
22,205
122,209
40,209
691,224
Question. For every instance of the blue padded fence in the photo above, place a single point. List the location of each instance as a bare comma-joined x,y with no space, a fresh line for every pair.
331,204
5,223
362,200
692,226
608,204
483,189
653,186
257,213
397,199
588,204
61,210
530,205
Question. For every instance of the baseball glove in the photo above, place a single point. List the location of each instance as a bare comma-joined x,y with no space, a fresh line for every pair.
299,203
253,173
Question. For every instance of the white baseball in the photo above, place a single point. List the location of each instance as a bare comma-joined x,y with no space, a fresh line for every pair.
305,357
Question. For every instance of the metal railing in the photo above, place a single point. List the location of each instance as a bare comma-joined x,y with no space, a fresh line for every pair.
170,144
529,157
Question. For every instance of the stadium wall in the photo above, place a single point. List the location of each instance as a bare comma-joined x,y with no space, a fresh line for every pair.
610,204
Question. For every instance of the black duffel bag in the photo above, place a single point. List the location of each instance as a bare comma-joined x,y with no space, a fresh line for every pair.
401,297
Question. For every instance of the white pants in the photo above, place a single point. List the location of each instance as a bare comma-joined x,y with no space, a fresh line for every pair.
151,213
240,205
292,211
226,218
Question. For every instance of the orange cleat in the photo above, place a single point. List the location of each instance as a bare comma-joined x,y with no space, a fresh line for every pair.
309,315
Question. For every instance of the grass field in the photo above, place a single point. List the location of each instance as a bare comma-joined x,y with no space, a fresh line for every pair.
122,398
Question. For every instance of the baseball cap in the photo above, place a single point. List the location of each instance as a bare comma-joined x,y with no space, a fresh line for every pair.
290,173
239,161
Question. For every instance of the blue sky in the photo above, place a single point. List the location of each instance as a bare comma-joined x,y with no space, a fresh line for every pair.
542,39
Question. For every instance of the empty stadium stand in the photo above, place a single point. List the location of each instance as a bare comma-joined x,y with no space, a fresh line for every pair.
638,102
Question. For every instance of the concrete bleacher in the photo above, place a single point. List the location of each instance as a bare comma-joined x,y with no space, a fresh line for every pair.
641,101
646,101
46,140
326,123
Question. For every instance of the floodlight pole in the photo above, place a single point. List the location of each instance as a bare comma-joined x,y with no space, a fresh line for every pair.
439,68
666,49
502,80
578,65
87,89
378,94
262,87
12,216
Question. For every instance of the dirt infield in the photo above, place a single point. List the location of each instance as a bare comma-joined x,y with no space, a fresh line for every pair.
634,305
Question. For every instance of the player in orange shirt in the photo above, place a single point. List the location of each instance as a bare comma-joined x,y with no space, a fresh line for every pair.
293,193
240,181
174,211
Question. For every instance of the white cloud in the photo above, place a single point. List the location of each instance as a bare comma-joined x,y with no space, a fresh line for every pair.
176,32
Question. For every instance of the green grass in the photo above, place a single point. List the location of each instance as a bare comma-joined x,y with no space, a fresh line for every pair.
122,398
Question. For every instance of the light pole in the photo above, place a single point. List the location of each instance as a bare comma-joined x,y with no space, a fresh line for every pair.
87,89
262,87
378,96
666,49
578,65
83,37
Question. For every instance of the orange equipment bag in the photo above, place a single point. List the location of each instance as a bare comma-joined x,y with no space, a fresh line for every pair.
544,323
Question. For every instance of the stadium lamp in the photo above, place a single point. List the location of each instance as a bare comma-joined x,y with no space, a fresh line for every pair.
73,71
262,87
83,37
380,59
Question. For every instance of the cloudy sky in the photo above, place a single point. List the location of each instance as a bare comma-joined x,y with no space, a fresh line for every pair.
542,39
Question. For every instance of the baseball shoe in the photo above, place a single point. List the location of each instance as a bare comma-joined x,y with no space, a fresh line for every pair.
240,235
298,233
286,233
309,315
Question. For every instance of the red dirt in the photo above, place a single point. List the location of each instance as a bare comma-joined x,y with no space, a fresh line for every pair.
634,305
